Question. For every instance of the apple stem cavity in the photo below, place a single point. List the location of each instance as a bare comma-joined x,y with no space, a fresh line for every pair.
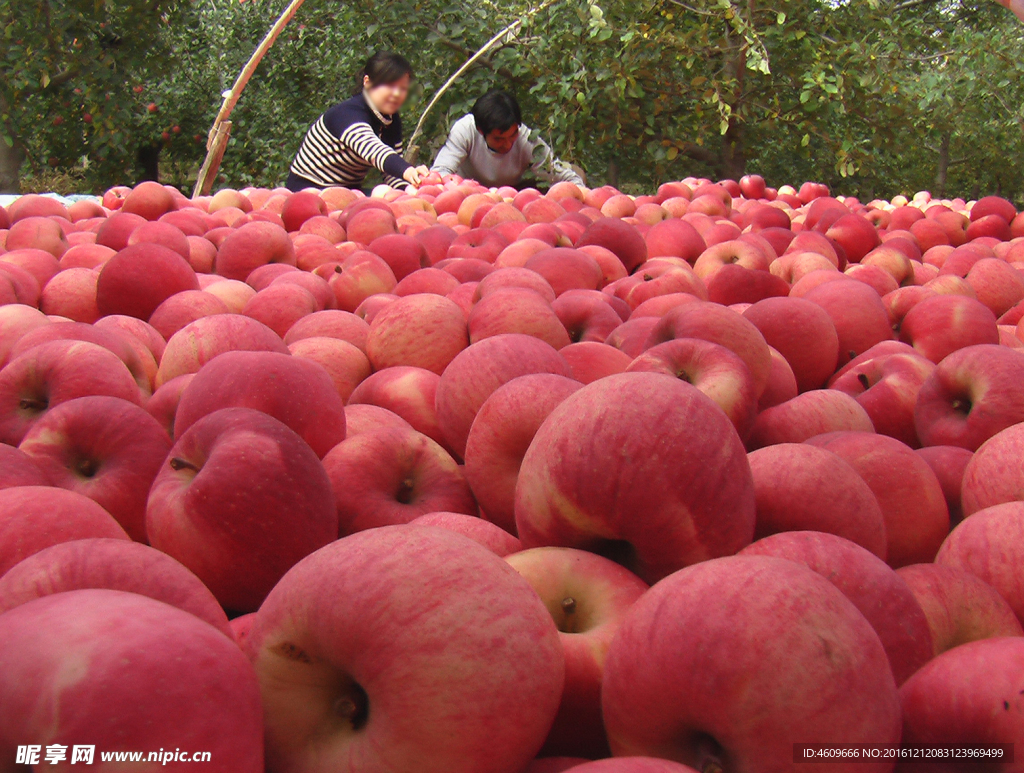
30,404
180,464
962,406
354,708
88,468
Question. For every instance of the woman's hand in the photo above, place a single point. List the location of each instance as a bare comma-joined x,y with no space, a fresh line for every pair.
414,174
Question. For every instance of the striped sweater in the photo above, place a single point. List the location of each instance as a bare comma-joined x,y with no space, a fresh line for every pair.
346,141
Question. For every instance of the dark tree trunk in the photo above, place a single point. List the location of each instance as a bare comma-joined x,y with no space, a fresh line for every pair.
942,173
734,158
613,173
148,159
11,159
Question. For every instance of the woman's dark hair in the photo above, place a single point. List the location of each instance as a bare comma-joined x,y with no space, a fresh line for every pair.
496,110
384,67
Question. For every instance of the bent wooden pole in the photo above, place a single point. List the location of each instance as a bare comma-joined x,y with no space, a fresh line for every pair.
217,141
509,31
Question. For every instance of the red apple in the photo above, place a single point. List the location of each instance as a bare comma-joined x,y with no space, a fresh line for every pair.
391,476
807,415
240,499
949,463
880,594
592,479
939,326
803,488
376,623
35,517
916,518
425,331
719,325
858,314
501,433
729,663
479,370
492,537
713,369
968,695
295,391
113,564
988,544
104,448
408,392
150,677
138,279
960,607
587,596
887,388
973,394
53,373
199,342
803,333
346,365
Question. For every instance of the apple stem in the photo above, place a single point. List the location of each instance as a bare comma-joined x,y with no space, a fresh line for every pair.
863,379
569,609
405,490
181,464
962,406
29,404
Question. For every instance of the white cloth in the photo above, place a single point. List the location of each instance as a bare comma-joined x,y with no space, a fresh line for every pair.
467,155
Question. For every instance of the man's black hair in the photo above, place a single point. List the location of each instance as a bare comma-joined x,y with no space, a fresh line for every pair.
496,110
384,67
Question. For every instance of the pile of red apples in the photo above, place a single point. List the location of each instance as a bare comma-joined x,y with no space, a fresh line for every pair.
469,480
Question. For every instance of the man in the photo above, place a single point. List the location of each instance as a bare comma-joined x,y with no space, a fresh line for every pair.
491,146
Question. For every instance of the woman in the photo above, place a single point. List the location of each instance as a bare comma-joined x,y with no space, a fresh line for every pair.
362,132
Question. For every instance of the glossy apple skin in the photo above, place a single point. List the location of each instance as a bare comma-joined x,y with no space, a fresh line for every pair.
949,463
993,476
799,488
425,331
594,476
733,660
881,595
960,607
887,388
392,475
113,564
973,394
502,432
492,537
587,597
240,499
33,518
476,372
989,545
713,369
803,333
939,326
379,622
807,415
968,695
295,391
407,391
55,372
105,448
148,676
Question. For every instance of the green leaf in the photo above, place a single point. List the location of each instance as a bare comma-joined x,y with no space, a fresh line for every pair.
805,141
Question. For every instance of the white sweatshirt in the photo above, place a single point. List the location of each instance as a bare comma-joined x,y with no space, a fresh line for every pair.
467,155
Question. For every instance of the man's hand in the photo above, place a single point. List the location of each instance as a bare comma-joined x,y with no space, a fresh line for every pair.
415,174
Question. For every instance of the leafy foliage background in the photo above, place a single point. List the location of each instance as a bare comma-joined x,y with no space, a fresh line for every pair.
874,97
